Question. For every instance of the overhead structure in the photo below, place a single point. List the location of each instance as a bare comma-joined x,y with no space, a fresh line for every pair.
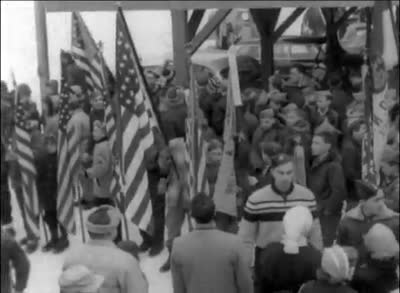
186,37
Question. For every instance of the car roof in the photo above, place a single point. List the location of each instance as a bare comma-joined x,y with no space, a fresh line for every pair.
290,40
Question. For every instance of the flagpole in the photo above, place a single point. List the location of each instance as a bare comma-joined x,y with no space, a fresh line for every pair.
118,129
141,74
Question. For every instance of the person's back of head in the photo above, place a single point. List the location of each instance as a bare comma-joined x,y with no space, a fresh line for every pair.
203,208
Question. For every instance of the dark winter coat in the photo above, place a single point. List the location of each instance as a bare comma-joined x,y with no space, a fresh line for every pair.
376,276
340,101
274,134
355,225
317,119
46,180
289,136
351,162
325,179
13,257
173,121
281,271
325,287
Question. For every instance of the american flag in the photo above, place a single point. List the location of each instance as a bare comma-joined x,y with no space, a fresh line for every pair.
196,147
25,159
137,136
98,76
65,196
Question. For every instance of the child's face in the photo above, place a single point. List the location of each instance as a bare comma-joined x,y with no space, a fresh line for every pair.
215,155
323,102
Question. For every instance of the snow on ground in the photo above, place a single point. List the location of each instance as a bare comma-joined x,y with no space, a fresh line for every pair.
46,267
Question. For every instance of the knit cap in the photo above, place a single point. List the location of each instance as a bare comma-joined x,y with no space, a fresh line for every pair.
297,224
381,242
336,264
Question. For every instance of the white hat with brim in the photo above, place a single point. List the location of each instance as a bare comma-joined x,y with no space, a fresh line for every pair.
80,279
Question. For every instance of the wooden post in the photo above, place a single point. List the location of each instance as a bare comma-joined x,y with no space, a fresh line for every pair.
180,36
266,20
41,45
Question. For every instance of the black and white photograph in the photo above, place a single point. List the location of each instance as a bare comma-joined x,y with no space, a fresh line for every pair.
200,146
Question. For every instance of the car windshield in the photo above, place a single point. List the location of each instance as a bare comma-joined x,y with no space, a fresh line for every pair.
302,51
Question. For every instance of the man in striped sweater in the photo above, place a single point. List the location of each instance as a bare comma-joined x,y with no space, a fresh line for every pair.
265,208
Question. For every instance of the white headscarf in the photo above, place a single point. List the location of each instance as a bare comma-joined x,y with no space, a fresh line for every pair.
335,263
297,224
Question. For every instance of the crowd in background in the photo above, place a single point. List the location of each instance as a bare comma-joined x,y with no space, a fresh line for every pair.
299,181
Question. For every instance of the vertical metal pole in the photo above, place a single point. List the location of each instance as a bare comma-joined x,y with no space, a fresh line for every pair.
41,45
180,37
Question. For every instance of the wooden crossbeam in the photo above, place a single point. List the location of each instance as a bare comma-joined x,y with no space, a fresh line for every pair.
194,22
287,23
345,16
59,6
207,30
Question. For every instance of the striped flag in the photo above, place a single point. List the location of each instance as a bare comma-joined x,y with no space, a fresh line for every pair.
137,136
65,194
26,163
383,56
97,77
196,146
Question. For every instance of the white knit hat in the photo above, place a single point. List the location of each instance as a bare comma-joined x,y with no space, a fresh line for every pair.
297,224
381,242
336,264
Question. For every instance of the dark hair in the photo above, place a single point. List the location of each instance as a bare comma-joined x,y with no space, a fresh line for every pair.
271,149
203,208
335,80
327,137
280,159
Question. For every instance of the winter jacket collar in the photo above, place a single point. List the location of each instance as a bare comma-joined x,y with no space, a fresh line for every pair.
209,226
330,157
283,194
357,214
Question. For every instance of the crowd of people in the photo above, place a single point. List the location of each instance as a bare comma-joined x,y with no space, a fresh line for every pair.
306,222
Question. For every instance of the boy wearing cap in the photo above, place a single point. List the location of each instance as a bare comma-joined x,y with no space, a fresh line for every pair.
121,270
265,208
326,180
370,210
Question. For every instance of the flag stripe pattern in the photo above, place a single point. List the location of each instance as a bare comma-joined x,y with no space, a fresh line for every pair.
137,136
25,159
65,197
88,57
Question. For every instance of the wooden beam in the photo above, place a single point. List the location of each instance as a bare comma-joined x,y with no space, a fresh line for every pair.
287,23
207,30
345,16
41,46
59,6
194,22
179,40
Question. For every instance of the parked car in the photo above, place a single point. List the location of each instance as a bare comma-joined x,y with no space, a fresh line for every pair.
215,63
289,50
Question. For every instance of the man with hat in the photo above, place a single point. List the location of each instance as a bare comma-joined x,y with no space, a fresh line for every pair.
121,270
265,208
326,180
173,119
370,210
